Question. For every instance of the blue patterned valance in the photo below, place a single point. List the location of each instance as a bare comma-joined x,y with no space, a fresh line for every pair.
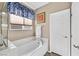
20,10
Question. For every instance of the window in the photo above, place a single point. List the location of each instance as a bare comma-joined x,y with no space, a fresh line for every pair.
21,17
27,21
20,23
16,19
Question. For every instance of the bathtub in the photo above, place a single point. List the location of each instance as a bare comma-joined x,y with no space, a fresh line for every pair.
27,47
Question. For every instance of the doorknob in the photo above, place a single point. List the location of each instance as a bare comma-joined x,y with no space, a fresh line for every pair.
76,46
66,37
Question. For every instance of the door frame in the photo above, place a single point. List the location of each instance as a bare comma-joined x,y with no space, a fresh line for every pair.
70,29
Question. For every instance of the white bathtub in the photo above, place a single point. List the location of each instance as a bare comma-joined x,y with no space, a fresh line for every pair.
27,47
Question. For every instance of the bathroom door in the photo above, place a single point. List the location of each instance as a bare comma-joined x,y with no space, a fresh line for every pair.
60,32
75,29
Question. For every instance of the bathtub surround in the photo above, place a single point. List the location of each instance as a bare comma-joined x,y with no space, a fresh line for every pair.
35,48
11,45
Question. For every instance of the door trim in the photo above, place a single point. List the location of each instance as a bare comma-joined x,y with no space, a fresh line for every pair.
70,29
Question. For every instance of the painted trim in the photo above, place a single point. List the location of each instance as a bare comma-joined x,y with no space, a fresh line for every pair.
70,29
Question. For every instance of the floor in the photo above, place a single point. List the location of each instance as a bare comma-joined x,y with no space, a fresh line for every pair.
51,54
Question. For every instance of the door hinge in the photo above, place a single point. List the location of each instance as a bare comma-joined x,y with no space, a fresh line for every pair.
71,14
71,36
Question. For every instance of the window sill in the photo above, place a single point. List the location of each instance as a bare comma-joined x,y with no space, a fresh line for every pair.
20,29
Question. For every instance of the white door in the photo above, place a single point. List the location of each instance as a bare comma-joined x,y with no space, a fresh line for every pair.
75,29
60,32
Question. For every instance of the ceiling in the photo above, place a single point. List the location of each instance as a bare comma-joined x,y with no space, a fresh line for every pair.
35,5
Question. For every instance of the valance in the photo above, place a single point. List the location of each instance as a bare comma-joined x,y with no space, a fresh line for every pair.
20,10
